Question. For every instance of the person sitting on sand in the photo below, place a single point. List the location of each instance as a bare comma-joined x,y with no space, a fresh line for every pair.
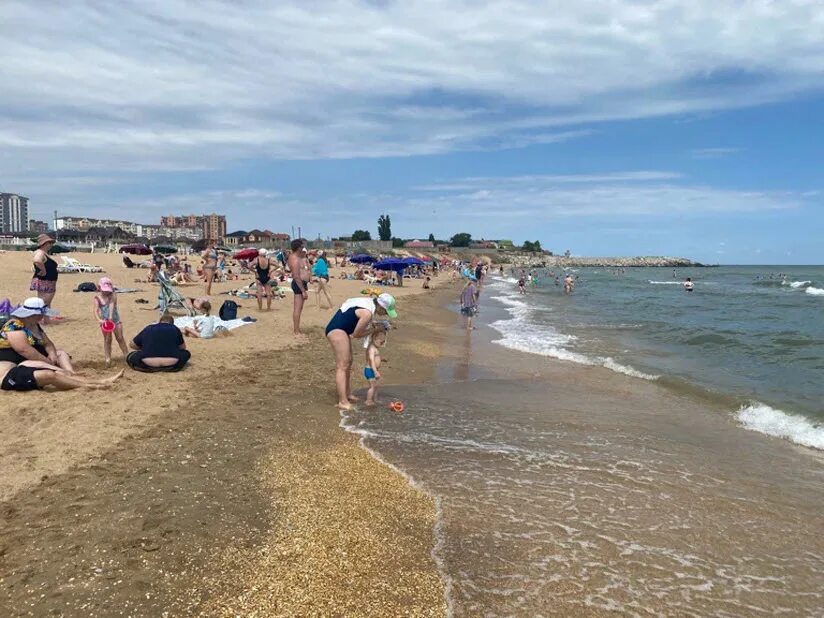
35,375
22,337
426,283
371,372
159,347
205,326
353,319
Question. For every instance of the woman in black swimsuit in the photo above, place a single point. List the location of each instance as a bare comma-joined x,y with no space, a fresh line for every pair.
44,281
263,276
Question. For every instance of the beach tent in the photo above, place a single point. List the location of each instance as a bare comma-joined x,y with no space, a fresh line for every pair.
136,249
362,258
246,254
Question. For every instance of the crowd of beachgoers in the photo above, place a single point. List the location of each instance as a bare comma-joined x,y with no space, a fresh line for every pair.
31,360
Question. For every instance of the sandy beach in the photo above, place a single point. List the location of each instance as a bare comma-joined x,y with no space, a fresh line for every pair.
227,489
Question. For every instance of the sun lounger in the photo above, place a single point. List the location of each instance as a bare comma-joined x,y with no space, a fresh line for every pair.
72,265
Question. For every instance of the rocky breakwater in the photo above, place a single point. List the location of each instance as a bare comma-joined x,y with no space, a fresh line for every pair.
608,262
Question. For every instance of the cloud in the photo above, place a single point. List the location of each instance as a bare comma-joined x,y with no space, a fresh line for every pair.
712,153
145,84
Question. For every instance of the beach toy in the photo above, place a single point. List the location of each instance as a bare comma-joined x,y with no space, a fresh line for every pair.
397,406
107,326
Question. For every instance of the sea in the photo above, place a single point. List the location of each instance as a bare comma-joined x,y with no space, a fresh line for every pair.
671,464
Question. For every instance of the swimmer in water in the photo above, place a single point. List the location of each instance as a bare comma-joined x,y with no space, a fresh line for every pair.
689,285
569,284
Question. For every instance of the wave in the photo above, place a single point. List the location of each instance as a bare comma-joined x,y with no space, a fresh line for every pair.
797,284
519,334
764,419
666,283
814,291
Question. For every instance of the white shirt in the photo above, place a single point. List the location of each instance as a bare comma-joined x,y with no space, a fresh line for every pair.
206,326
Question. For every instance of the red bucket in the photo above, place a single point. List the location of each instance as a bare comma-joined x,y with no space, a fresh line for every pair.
107,326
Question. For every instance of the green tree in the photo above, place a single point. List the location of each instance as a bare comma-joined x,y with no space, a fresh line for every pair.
461,240
398,243
384,227
432,238
361,235
532,247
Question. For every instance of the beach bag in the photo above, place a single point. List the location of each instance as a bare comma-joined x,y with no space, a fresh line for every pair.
86,286
228,310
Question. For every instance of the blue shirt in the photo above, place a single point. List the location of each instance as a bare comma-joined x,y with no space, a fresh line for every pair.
321,268
159,340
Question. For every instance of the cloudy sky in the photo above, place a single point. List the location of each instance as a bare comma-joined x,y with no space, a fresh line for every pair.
690,127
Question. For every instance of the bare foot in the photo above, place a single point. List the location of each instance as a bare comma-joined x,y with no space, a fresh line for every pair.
115,377
369,404
345,405
354,399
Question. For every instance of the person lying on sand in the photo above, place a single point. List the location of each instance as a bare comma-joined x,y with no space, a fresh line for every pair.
36,375
206,327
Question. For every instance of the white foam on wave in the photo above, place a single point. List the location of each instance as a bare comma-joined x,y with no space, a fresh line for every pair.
522,335
665,283
796,284
815,291
764,419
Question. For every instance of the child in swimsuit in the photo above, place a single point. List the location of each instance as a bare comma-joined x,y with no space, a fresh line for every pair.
373,362
105,309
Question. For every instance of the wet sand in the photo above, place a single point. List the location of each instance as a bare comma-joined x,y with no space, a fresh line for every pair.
228,489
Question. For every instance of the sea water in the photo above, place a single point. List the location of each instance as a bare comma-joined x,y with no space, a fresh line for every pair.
753,333
627,496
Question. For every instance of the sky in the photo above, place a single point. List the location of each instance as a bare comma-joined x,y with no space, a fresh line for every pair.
645,127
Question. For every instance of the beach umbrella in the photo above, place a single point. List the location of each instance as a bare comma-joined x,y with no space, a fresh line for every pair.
395,264
136,249
362,258
165,249
413,261
246,254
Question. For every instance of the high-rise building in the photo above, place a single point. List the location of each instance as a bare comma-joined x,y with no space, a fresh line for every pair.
38,227
14,213
213,225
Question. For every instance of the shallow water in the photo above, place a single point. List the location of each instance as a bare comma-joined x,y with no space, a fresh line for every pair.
566,499
755,334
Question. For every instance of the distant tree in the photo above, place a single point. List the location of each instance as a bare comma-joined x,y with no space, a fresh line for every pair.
532,247
384,227
397,243
432,238
361,235
461,240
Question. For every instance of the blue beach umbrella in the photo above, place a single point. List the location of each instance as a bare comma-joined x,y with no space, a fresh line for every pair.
390,264
362,258
413,261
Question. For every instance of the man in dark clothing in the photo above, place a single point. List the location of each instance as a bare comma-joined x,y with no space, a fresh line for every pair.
159,347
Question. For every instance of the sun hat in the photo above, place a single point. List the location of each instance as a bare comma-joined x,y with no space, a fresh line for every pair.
42,239
261,251
387,301
31,306
105,285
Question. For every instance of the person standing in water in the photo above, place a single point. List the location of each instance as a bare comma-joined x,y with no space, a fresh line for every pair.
689,285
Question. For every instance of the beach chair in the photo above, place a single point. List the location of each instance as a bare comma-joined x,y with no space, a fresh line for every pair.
72,265
170,299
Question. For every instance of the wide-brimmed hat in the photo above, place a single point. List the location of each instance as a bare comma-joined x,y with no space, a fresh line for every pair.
31,306
387,301
43,239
